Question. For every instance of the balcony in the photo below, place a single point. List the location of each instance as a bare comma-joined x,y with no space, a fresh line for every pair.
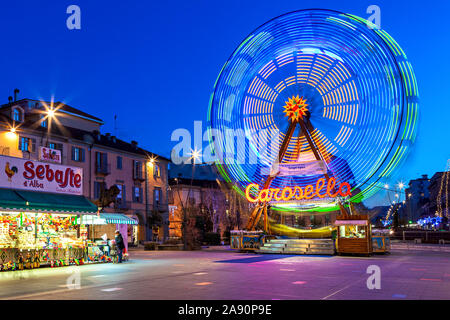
138,175
103,168
122,205
161,207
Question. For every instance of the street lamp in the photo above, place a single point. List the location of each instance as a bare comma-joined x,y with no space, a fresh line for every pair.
195,154
11,134
50,113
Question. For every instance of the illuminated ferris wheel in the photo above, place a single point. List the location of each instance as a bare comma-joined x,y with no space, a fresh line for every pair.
315,93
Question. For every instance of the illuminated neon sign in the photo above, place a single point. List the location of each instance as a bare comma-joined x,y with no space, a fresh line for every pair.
298,193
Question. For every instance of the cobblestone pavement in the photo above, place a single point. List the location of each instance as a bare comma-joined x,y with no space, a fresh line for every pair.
224,274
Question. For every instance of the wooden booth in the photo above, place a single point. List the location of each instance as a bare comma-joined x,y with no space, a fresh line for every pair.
354,234
246,240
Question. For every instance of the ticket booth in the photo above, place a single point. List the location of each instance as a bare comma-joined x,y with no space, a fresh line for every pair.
354,235
380,241
246,240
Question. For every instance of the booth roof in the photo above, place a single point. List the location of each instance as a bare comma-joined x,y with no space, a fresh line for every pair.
351,222
11,199
117,218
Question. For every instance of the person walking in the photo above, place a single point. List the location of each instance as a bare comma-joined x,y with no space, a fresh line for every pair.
113,252
120,245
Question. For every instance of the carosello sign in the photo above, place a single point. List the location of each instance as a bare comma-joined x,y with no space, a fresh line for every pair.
320,190
16,173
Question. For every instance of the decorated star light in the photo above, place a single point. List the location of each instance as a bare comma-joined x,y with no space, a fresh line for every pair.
295,108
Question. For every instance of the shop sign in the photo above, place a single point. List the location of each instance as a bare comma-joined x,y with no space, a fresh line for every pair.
50,155
306,168
17,173
320,190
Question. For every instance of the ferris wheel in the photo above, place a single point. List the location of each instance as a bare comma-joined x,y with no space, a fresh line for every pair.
309,94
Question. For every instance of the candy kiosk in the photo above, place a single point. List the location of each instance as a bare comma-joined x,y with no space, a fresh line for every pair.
41,205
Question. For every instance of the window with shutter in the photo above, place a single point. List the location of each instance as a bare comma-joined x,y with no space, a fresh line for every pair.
77,154
137,194
96,190
27,144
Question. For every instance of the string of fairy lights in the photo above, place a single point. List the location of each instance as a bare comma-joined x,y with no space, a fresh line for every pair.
445,177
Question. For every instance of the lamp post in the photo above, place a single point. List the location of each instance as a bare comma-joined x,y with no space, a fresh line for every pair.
51,114
194,155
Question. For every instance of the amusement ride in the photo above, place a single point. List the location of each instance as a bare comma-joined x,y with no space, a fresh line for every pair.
322,107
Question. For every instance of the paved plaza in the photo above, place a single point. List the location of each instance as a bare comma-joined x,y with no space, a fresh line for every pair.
225,274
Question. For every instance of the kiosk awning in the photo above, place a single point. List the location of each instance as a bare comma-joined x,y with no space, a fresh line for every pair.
22,200
117,218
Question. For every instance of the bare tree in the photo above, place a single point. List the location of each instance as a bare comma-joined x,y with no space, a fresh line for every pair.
238,208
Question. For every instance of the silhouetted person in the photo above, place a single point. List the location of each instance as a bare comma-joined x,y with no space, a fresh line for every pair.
120,245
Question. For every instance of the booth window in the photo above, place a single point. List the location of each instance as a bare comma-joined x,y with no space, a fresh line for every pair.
352,231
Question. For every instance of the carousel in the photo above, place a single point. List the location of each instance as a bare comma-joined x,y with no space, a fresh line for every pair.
310,115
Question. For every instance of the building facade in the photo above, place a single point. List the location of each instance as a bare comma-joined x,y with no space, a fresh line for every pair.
198,192
439,194
118,176
416,196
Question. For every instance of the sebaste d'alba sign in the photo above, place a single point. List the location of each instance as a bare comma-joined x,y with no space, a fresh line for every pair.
17,173
51,155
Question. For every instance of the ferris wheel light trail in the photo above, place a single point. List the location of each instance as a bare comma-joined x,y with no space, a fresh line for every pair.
350,88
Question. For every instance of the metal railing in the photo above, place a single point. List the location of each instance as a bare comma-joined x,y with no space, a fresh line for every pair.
122,204
103,168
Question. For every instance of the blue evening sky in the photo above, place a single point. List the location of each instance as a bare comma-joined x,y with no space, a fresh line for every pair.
154,63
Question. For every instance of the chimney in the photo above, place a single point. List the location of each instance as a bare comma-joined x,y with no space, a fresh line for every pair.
16,92
113,138
96,134
10,100
425,176
108,136
134,144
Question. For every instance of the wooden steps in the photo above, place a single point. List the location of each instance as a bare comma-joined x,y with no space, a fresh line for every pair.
299,246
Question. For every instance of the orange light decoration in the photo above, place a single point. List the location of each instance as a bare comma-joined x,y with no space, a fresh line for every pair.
295,108
286,194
